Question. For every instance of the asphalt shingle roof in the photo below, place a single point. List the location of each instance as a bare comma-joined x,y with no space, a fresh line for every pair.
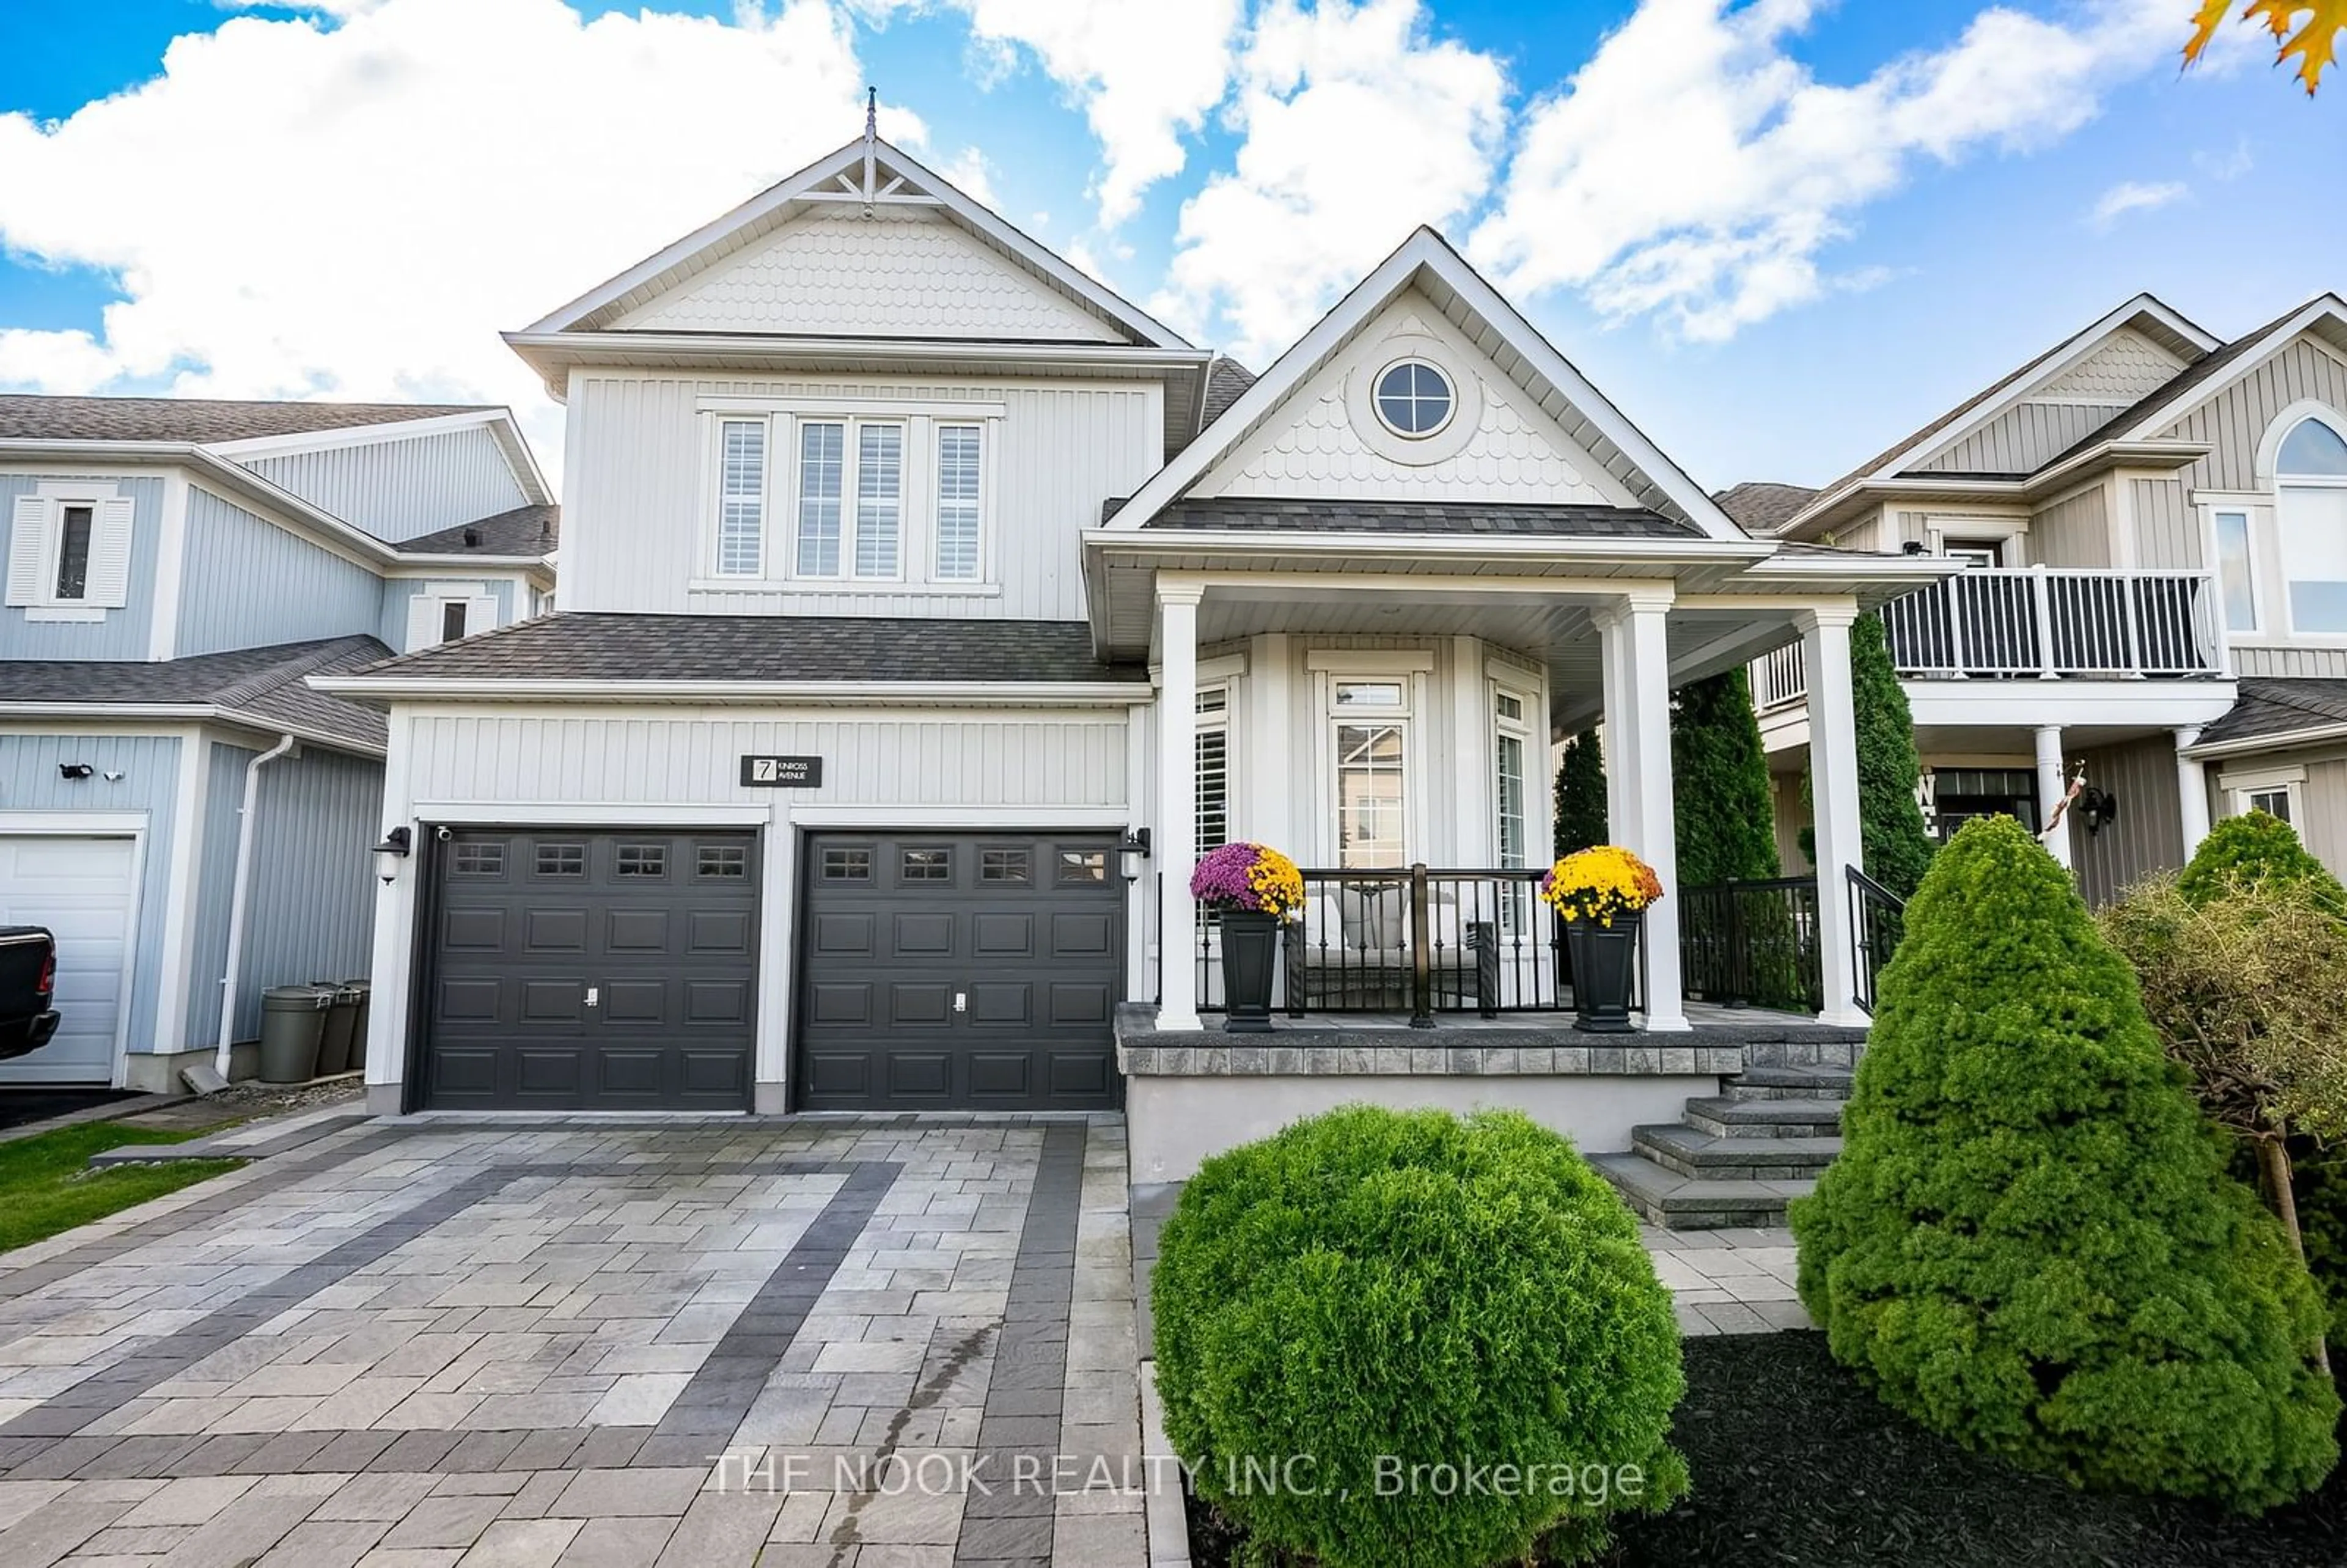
596,646
1240,512
523,531
263,686
1761,506
195,419
2264,706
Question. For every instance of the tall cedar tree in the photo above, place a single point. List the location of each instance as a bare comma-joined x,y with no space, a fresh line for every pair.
2028,1242
1719,774
1897,845
1580,795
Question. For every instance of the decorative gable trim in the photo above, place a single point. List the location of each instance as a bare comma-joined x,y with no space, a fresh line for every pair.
865,173
2325,316
1427,262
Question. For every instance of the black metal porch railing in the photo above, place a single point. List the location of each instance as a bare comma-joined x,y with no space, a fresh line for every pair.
1414,940
1753,944
1878,919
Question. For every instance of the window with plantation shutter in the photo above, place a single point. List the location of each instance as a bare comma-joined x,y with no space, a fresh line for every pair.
741,497
1213,770
956,502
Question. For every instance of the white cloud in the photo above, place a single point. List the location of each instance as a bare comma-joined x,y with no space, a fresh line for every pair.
1144,72
354,211
1694,168
2136,196
1358,126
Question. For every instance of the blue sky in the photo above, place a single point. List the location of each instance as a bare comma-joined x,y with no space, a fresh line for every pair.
1897,204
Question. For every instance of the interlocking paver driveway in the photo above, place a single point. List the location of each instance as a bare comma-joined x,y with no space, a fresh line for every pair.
853,1343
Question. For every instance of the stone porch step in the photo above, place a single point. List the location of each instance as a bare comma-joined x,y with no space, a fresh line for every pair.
1724,1116
1679,1201
1791,1083
1691,1152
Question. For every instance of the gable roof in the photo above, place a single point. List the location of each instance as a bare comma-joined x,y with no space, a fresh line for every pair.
2145,312
524,531
1427,262
2165,404
864,172
1761,506
204,421
263,687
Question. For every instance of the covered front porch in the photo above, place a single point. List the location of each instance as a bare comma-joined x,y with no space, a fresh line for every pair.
1393,731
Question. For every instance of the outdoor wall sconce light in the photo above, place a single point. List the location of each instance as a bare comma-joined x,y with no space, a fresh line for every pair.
2097,809
391,852
1130,851
75,770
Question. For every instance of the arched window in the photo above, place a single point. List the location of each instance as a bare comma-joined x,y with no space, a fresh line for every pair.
2311,515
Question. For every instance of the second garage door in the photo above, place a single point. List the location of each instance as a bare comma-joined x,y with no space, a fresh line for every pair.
972,971
605,971
81,889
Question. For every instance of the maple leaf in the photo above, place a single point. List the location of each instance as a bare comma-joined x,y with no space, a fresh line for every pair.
2315,43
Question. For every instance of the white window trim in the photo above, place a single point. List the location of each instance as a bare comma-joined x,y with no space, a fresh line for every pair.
714,484
1413,669
1526,729
934,430
1221,723
912,518
47,608
2260,610
2012,533
2239,784
427,608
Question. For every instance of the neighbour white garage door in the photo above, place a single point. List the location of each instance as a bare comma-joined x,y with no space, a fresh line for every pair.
80,888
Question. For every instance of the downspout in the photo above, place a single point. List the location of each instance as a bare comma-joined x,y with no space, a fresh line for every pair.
244,819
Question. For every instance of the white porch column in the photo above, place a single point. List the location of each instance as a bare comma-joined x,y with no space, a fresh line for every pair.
1833,799
1640,808
2191,790
2050,786
1177,805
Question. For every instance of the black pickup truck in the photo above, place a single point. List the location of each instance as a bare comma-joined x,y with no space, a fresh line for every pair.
28,977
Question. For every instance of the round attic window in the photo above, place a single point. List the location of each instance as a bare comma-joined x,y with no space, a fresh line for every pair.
1414,399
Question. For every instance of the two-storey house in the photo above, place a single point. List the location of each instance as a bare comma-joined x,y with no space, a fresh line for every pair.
190,819
927,607
2153,523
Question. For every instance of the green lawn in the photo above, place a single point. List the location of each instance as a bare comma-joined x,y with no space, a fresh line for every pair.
46,1185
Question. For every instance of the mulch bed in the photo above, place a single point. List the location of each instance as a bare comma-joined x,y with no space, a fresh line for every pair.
1796,1464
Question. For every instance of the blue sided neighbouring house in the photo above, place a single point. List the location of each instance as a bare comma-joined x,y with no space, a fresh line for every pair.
188,816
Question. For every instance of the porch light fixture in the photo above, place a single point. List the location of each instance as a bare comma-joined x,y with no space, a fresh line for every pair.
2097,809
76,770
391,852
1130,851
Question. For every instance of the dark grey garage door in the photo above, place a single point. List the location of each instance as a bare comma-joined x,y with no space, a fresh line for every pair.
964,971
592,970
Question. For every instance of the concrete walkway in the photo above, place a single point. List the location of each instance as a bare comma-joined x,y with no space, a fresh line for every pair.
852,1343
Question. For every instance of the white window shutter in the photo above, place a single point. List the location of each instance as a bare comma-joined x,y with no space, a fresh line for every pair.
482,617
109,554
28,551
422,623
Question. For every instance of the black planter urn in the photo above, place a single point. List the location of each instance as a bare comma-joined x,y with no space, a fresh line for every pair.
1604,961
1250,955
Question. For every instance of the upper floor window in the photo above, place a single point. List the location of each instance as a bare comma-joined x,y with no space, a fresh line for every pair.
2311,523
832,467
957,539
741,497
69,550
1413,398
2236,576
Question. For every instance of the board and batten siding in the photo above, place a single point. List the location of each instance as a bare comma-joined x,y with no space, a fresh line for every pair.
248,583
2024,439
402,488
2318,663
215,887
637,515
2324,796
926,760
124,633
150,769
310,912
2147,835
2167,524
2236,420
2075,532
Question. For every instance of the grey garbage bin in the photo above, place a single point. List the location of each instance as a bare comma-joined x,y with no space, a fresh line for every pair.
292,1022
341,1018
358,1024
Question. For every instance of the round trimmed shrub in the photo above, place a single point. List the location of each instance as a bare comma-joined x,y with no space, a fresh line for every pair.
2028,1242
1348,1307
2258,847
